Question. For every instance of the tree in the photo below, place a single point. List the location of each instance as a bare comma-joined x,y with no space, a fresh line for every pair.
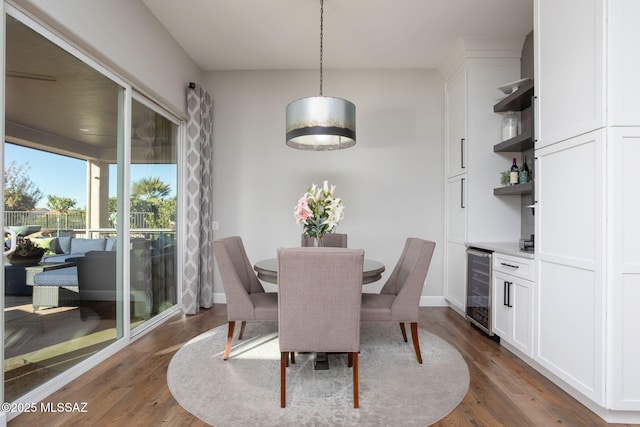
20,193
150,195
149,189
60,204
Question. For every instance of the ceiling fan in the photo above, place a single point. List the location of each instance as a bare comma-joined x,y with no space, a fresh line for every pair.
30,76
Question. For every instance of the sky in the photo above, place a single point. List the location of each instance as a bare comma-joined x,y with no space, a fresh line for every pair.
65,176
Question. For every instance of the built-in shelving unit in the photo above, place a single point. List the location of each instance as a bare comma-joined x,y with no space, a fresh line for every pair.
519,100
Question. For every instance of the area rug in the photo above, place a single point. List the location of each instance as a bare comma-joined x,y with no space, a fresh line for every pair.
245,390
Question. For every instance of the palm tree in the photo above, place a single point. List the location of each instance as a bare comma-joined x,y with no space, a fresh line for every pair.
147,195
150,189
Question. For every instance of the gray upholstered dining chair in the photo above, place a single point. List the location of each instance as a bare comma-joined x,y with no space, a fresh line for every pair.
319,296
329,240
399,299
246,298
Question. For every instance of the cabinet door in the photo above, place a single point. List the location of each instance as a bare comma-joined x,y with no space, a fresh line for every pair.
570,291
513,311
624,386
624,84
456,110
522,328
456,234
456,213
569,68
500,310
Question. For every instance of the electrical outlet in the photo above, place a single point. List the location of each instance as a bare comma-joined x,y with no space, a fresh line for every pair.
215,225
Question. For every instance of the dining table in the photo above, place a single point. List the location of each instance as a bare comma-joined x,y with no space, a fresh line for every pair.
267,270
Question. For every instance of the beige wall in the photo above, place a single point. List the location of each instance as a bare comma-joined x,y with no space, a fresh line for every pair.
391,181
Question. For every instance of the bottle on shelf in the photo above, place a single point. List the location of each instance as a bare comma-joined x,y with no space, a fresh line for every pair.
525,174
514,173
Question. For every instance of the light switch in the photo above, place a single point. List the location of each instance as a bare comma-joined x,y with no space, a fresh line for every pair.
215,225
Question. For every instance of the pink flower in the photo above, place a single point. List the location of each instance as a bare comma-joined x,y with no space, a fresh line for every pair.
318,210
302,211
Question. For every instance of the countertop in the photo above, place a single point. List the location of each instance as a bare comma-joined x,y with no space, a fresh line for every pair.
509,248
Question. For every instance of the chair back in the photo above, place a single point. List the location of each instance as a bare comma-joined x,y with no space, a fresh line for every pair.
319,299
407,278
329,240
238,277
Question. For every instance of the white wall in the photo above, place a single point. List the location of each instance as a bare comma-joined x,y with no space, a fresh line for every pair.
391,181
124,35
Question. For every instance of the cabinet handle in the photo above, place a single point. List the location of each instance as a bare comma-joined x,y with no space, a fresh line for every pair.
509,265
505,293
533,120
506,296
462,165
462,193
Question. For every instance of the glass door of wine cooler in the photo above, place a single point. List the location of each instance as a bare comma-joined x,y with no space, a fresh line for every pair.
479,289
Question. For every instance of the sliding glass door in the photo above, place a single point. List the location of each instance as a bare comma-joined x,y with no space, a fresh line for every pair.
81,152
154,214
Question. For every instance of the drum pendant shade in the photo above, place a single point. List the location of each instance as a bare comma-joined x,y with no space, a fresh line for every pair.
321,123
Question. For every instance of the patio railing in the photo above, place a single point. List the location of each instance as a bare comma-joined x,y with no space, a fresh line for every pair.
67,220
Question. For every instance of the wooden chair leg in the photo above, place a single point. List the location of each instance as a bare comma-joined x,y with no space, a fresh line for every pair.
404,331
293,357
284,357
356,397
242,325
349,360
232,325
416,343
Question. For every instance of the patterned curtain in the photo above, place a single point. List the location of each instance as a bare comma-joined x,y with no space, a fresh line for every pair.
198,267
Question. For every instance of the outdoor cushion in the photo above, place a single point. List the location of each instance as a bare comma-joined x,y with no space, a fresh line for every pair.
111,244
59,277
81,246
65,244
49,244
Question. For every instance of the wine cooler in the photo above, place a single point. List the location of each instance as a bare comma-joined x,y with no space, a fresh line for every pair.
479,280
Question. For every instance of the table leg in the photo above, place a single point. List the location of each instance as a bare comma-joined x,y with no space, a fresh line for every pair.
322,361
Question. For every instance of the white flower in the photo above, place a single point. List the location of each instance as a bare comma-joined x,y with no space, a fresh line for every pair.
318,210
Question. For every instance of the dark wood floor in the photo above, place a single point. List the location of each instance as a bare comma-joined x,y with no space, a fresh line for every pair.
131,387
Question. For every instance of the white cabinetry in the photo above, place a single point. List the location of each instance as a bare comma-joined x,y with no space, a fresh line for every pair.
588,261
624,341
472,169
456,100
569,61
512,301
569,252
455,254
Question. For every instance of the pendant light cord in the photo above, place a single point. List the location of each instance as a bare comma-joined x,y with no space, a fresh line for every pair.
321,35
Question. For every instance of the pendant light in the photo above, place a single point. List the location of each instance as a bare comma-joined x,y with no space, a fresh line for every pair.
321,123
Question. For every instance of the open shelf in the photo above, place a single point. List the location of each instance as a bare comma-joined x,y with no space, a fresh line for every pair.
518,100
519,143
514,190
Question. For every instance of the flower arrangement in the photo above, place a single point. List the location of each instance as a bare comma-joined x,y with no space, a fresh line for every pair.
318,210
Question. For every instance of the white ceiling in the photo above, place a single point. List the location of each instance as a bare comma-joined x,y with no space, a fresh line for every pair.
285,34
